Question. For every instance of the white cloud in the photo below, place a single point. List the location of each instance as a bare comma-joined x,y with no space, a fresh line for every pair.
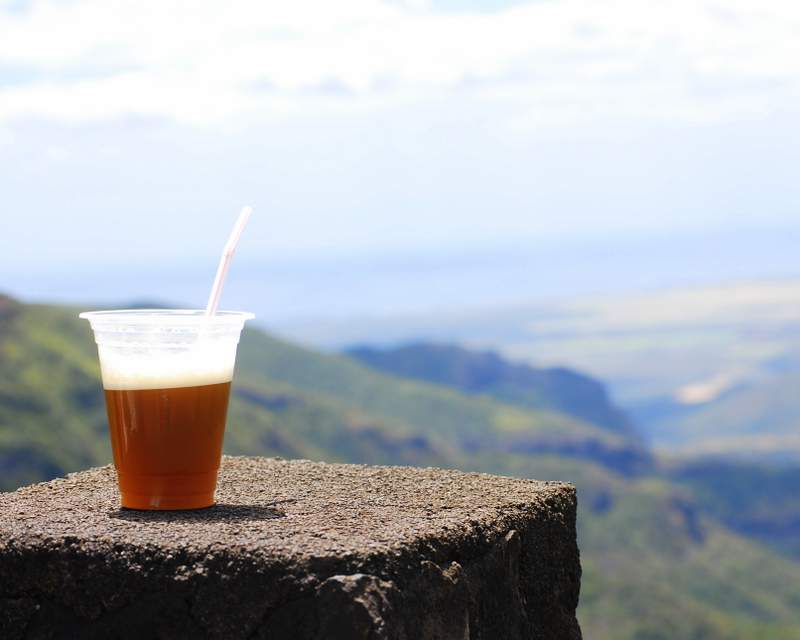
205,63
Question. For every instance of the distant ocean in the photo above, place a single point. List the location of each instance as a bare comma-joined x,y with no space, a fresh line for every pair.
289,292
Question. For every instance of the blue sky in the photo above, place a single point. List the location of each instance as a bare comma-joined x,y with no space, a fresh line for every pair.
132,132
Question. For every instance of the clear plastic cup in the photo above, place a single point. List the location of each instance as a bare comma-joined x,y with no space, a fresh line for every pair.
167,377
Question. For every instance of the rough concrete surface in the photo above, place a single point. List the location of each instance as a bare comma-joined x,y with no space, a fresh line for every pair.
294,549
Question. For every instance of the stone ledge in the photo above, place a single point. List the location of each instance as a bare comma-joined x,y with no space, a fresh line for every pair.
294,549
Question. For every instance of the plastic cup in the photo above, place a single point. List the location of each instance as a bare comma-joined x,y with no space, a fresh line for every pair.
167,377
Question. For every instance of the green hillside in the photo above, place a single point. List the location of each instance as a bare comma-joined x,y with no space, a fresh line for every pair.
287,401
52,416
445,419
655,565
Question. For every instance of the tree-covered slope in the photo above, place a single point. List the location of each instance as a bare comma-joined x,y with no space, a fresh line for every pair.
52,416
449,420
757,500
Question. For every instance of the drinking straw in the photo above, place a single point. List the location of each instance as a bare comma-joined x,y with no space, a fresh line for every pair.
225,260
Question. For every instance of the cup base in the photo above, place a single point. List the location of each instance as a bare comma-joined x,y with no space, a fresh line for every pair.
166,503
167,492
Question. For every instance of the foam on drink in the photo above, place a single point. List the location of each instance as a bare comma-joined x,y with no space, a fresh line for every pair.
200,366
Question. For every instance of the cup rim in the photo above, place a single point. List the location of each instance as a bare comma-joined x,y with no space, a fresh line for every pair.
166,316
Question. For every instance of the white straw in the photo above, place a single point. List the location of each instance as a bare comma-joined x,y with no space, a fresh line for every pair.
225,261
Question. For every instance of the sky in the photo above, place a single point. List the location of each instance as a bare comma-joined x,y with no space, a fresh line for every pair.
132,132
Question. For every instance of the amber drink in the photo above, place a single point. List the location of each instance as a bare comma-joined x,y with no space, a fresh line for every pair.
167,378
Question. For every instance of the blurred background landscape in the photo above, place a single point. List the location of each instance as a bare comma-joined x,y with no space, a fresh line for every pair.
547,239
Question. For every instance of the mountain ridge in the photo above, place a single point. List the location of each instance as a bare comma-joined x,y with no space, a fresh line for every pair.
476,372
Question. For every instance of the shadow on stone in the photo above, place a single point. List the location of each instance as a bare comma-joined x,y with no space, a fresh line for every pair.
220,512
